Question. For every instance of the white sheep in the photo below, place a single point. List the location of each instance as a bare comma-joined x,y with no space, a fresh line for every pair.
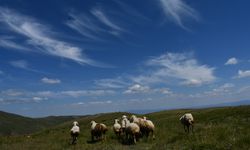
98,130
117,128
75,130
188,121
149,127
132,130
141,123
135,119
123,123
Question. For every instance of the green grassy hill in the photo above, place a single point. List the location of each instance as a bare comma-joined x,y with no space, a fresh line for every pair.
12,124
215,128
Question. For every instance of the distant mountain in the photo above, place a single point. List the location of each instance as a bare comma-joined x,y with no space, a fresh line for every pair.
236,103
12,124
146,111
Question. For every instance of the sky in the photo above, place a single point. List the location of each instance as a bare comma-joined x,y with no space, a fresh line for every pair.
79,57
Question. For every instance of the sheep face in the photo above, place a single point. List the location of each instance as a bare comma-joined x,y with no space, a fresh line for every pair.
116,120
75,123
92,122
124,116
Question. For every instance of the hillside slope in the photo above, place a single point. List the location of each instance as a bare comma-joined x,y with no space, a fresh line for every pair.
215,128
12,124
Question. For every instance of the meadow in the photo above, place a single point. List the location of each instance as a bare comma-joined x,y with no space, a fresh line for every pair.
215,128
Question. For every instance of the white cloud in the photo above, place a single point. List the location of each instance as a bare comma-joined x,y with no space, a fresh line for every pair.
137,88
192,82
12,93
23,64
111,83
100,102
1,72
231,61
38,99
46,93
243,74
224,88
178,10
180,66
50,81
41,37
23,96
165,91
79,93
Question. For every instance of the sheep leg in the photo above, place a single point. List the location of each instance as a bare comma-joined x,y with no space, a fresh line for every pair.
184,128
134,139
153,135
188,126
103,136
73,140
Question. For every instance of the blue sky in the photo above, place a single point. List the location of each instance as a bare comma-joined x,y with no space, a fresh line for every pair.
84,57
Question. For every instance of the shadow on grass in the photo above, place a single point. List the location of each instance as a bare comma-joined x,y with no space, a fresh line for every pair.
93,141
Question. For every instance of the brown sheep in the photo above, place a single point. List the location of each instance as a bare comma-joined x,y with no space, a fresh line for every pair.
98,130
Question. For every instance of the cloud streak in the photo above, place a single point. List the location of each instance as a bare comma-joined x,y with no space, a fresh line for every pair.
84,25
23,64
7,43
177,11
40,36
111,83
104,19
95,25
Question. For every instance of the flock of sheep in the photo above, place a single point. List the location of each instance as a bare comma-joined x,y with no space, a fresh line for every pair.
129,130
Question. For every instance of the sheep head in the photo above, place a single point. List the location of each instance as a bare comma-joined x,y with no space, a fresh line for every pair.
75,123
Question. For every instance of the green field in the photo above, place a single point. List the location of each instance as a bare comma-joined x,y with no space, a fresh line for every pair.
215,128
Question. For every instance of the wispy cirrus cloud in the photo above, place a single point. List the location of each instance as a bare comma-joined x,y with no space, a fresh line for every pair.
83,24
111,83
23,64
41,37
178,11
9,43
180,66
104,19
95,25
50,81
131,11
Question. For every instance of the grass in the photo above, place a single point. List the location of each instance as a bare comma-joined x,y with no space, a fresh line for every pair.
215,128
